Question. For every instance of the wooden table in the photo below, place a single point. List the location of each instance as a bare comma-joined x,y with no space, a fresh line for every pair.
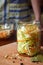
11,49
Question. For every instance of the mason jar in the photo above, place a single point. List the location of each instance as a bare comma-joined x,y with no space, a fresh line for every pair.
28,38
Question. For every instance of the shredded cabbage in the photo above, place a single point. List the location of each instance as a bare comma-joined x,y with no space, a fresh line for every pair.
28,41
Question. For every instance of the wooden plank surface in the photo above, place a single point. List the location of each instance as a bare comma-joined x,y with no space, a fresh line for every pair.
11,49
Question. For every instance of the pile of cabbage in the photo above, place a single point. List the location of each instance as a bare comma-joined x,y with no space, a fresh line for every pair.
28,38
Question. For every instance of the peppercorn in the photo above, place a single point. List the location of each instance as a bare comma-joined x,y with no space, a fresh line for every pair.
13,61
21,64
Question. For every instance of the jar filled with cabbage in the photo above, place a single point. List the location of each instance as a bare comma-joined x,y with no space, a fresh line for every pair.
28,38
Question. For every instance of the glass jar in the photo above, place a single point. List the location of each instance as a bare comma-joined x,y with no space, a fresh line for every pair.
6,30
28,38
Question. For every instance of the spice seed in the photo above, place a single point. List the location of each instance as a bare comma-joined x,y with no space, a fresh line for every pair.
20,59
21,64
6,56
13,61
15,58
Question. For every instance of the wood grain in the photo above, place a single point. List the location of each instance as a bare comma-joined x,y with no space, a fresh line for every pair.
12,49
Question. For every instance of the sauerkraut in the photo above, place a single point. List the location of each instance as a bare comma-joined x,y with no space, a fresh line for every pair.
28,38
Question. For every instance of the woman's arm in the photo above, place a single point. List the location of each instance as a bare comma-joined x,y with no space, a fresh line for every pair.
36,9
